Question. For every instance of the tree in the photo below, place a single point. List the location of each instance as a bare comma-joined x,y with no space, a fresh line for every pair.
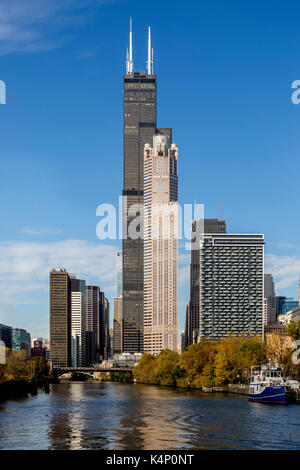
167,370
293,330
197,364
39,367
227,367
144,371
277,346
250,353
16,366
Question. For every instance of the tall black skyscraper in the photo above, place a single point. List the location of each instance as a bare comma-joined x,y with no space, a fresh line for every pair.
139,91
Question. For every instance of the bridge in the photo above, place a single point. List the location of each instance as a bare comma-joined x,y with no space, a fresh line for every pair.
57,371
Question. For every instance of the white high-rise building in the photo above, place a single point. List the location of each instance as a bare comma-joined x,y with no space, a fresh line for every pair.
78,322
160,245
119,273
118,325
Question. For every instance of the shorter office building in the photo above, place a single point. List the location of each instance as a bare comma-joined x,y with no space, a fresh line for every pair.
38,349
275,327
91,354
21,341
269,310
285,305
6,335
118,325
291,315
60,318
126,359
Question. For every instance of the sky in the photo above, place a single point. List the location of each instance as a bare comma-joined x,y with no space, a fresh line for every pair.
224,74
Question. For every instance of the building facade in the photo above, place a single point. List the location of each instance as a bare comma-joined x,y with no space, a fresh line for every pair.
269,315
231,285
160,245
38,349
119,274
118,324
60,318
139,94
6,335
94,322
107,344
192,322
21,341
78,321
285,305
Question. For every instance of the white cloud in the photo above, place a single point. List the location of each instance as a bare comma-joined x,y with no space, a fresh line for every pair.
24,267
34,25
285,245
285,269
40,231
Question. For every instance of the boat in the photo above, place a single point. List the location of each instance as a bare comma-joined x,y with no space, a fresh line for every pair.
267,384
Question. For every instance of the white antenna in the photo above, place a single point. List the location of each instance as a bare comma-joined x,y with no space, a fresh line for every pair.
130,48
129,61
150,60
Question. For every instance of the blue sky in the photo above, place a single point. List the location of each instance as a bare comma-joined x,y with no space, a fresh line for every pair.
224,72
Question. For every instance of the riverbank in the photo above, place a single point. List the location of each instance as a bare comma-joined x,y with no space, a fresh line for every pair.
238,389
12,389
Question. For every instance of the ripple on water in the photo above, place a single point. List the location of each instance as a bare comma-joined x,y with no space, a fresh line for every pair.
121,416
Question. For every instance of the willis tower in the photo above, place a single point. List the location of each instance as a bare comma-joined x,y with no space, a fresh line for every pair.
139,94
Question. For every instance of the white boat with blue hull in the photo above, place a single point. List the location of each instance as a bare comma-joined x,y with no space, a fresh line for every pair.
267,385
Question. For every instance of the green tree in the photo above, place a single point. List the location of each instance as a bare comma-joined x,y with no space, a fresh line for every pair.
16,367
227,366
250,353
144,371
293,330
39,367
167,370
197,364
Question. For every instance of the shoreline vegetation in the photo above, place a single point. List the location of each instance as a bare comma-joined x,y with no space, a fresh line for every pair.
212,365
20,376
209,366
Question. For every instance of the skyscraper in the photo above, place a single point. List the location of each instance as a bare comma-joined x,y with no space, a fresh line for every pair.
231,274
118,325
208,226
6,335
269,300
94,322
107,346
160,245
78,321
60,318
139,94
21,341
119,273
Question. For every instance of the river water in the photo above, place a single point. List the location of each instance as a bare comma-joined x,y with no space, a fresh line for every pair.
113,416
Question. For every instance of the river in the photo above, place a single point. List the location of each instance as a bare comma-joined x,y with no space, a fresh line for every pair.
113,416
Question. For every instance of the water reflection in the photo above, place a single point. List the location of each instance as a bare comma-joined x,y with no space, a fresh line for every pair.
88,415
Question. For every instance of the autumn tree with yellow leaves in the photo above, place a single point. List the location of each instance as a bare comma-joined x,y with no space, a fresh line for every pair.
205,364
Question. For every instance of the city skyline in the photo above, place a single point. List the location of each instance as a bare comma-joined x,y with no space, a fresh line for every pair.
45,235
